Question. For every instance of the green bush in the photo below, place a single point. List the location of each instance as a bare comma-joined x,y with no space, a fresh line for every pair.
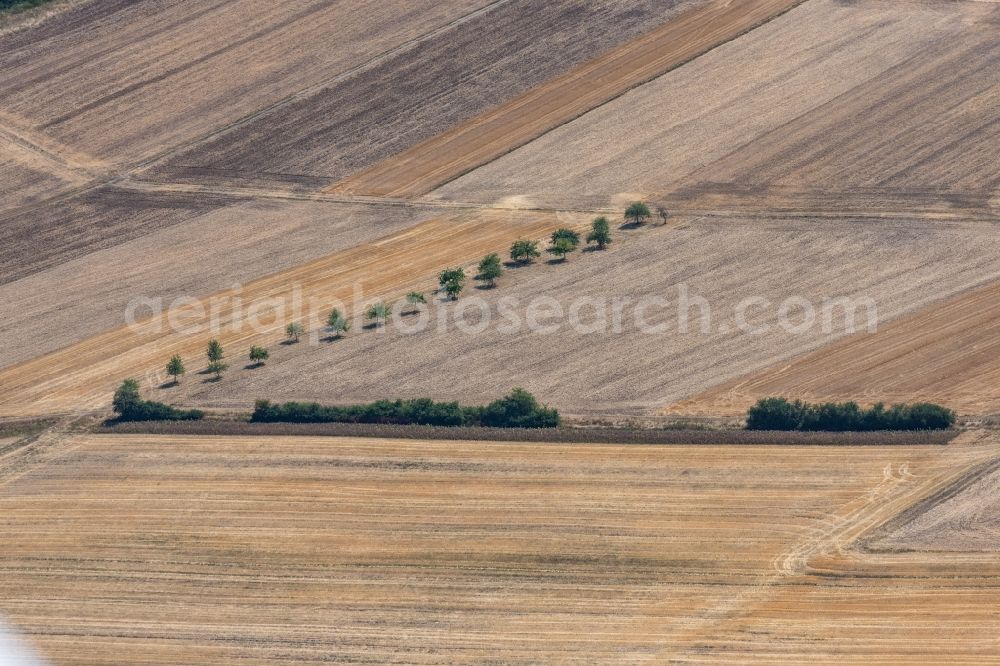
6,5
129,406
517,410
782,414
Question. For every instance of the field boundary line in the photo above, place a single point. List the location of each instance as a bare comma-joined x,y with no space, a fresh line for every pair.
65,161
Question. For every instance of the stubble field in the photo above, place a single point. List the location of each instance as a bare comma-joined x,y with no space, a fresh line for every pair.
124,81
947,353
447,78
877,105
492,134
158,549
106,250
82,376
815,149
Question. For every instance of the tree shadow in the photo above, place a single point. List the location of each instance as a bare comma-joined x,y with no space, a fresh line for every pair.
517,264
169,384
212,380
555,262
332,338
288,343
253,366
627,226
371,326
486,287
593,248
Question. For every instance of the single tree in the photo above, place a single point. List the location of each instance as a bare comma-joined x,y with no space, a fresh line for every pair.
451,275
415,299
523,251
217,368
175,368
259,355
127,397
453,289
663,214
561,248
600,233
452,281
637,213
378,312
489,270
568,234
294,331
337,323
214,351
564,241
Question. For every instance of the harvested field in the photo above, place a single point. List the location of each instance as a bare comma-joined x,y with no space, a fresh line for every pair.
185,252
962,518
83,375
56,232
164,73
24,180
947,353
891,104
33,168
446,79
498,131
597,368
156,549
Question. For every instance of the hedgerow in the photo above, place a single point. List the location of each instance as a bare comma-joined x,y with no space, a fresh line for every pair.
519,409
782,414
129,406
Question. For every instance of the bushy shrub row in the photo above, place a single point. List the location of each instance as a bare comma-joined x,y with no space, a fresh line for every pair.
129,406
517,410
20,4
782,414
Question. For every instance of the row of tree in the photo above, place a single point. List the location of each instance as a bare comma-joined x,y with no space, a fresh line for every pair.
451,281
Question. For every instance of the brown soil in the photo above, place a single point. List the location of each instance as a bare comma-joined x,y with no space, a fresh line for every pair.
214,425
519,121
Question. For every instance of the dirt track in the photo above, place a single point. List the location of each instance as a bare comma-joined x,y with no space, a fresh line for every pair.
833,106
515,123
947,353
83,375
34,167
221,550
